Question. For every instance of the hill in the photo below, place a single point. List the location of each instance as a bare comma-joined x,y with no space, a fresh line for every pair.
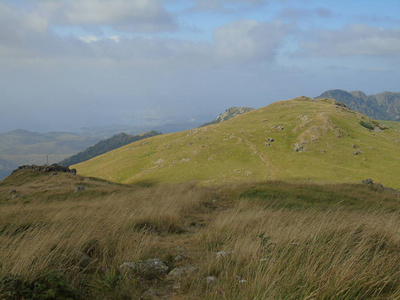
6,168
66,236
383,106
229,114
298,140
104,146
20,147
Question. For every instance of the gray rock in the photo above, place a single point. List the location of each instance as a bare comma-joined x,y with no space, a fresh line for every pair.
151,294
13,191
220,254
183,271
54,174
210,280
367,181
154,266
379,187
80,188
179,257
15,197
83,259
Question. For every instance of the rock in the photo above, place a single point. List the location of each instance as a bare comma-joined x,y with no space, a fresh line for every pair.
80,188
83,259
367,181
379,187
53,174
183,271
298,147
150,267
151,294
15,197
270,140
45,168
179,257
223,253
13,191
210,280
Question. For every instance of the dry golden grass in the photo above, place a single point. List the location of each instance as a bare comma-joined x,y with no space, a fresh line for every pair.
283,254
280,243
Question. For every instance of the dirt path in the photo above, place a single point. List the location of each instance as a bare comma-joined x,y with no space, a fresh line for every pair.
262,156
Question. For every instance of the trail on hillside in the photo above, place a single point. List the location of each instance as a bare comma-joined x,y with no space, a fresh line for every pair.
271,169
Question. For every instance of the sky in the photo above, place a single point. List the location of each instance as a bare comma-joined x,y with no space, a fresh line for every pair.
68,64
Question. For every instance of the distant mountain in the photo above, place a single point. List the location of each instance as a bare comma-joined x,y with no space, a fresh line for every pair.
23,147
6,168
229,114
104,146
383,106
107,131
303,139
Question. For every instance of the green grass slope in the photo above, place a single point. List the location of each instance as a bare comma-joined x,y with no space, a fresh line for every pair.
297,140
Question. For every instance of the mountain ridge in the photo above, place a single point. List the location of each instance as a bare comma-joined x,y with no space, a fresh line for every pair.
381,106
297,140
106,145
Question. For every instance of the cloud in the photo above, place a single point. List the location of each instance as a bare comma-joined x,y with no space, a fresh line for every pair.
126,15
145,16
302,13
250,40
358,39
227,5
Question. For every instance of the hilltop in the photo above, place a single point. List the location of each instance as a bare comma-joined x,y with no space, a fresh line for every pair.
229,114
302,139
106,145
382,106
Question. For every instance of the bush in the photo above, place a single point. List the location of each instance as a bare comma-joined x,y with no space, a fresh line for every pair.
367,125
51,286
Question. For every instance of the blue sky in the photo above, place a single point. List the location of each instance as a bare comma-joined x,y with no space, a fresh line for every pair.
65,64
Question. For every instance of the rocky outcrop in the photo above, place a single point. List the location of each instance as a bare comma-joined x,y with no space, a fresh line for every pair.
150,268
45,169
229,114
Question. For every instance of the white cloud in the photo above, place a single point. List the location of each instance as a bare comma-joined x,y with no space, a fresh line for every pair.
250,40
227,5
88,39
356,39
136,15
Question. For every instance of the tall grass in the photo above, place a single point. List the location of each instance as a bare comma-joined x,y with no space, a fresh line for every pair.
281,241
309,254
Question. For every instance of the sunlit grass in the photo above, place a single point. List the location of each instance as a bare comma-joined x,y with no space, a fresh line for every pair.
279,240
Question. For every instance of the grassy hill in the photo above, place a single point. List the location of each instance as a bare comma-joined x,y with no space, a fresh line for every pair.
106,145
298,140
254,240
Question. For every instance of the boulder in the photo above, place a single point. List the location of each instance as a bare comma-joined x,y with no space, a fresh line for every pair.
183,271
80,188
379,187
150,267
367,181
210,280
